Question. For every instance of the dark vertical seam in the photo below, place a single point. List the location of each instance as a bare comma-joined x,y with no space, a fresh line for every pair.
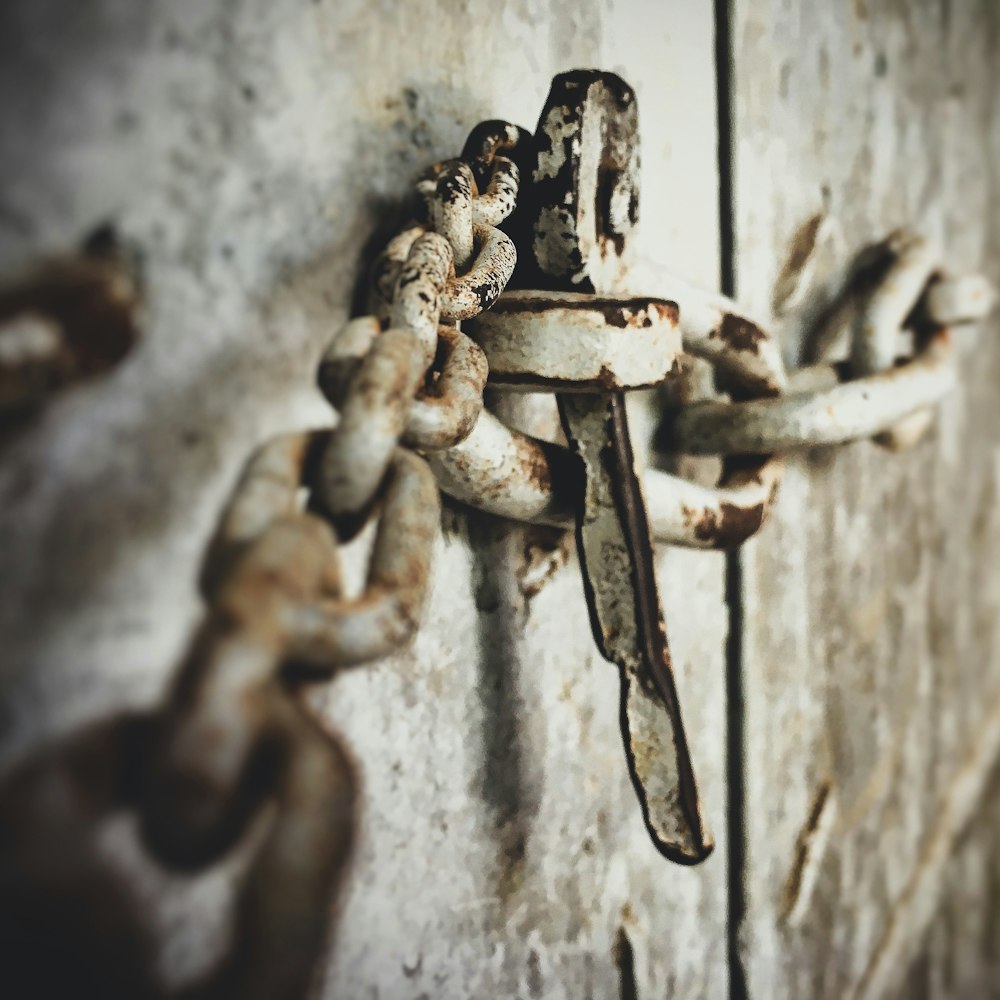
624,959
736,790
735,778
724,120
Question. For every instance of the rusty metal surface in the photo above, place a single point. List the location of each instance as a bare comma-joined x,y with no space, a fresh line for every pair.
497,201
418,288
776,410
712,517
372,419
585,182
578,342
854,409
445,412
616,554
912,262
584,203
511,474
231,739
327,632
581,204
873,395
462,296
717,329
446,407
492,265
316,624
451,210
233,736
250,194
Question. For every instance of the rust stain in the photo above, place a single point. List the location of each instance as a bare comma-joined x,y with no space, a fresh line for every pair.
624,958
616,312
535,466
728,528
739,333
544,552
808,852
801,250
705,524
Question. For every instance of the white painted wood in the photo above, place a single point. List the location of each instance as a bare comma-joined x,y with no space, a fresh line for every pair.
960,954
871,603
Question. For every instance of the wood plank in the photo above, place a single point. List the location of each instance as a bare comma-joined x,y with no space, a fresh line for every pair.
249,149
544,882
871,605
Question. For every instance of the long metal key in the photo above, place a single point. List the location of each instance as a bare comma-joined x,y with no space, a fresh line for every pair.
583,205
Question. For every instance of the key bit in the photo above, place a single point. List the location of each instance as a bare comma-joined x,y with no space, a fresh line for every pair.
583,205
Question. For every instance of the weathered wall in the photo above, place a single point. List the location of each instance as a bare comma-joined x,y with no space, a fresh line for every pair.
248,149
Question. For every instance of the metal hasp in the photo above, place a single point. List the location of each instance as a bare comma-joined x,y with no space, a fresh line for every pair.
580,207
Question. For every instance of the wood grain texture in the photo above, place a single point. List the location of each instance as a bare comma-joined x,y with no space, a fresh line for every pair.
871,644
959,956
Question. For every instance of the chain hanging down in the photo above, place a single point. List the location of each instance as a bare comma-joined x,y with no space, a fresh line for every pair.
234,735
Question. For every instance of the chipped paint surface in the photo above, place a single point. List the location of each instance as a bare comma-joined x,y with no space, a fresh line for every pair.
617,577
585,185
575,341
599,182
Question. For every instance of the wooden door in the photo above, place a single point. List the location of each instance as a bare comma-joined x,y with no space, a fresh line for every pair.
839,673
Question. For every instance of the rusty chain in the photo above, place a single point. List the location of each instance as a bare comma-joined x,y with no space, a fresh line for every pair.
234,734
407,383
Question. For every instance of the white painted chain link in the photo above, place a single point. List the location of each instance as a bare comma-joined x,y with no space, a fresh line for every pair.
876,395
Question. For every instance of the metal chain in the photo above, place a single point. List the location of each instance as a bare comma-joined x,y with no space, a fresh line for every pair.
274,586
877,394
234,734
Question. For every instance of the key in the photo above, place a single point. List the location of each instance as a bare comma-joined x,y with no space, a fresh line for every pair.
582,206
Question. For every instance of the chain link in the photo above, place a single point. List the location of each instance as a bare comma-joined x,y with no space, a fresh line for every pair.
877,394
